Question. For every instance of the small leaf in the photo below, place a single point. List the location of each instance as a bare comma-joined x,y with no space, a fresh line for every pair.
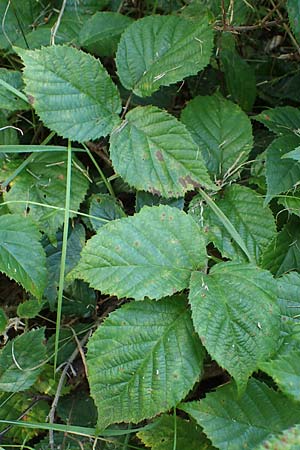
9,100
160,50
143,360
151,254
293,9
282,174
19,365
212,122
291,202
19,238
254,222
294,154
3,321
147,199
235,313
100,35
282,255
285,371
105,208
161,435
8,135
71,92
154,152
283,120
235,422
44,182
29,309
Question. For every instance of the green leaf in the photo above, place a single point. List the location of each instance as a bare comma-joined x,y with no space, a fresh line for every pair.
100,35
282,120
291,202
19,365
235,313
71,92
212,122
288,440
285,371
239,75
234,422
143,360
282,173
8,99
66,442
154,152
79,300
288,296
245,210
160,50
19,238
44,182
105,208
77,409
8,135
3,321
293,9
76,240
282,255
30,308
151,254
147,199
294,154
161,436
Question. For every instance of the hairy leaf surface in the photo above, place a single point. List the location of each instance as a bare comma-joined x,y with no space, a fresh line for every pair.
154,152
212,122
19,238
143,360
160,50
71,92
254,223
234,422
151,254
235,313
19,365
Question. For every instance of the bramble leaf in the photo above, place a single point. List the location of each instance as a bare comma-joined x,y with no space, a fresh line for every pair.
19,365
154,152
235,313
212,122
161,50
143,360
234,422
19,238
288,440
71,92
151,254
282,120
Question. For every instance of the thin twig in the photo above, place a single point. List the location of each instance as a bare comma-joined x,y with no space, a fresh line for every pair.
60,385
55,27
241,28
79,346
287,29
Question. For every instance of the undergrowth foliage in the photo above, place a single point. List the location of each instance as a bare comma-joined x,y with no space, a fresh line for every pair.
150,169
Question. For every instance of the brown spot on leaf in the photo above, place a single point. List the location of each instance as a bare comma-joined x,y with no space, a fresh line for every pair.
159,155
154,191
31,99
61,177
188,181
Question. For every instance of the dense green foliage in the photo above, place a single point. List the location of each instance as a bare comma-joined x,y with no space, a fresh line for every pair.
149,214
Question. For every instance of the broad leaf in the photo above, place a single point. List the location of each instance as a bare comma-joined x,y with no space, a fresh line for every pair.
294,154
212,121
254,223
104,208
101,33
293,9
285,370
160,50
151,254
234,422
154,152
161,435
19,365
44,182
282,255
283,120
143,360
71,92
235,313
9,100
282,174
75,243
288,440
19,238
